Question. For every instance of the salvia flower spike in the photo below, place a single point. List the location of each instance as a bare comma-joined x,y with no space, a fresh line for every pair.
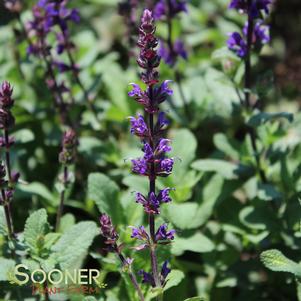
111,237
154,162
252,37
8,177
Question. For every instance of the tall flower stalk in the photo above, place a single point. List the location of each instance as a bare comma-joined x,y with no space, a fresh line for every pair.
171,50
8,178
66,158
254,35
154,162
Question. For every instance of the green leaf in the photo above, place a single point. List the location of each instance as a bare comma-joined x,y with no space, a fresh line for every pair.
183,216
6,266
263,117
173,279
36,227
105,193
195,299
222,143
268,192
67,221
40,190
3,224
198,243
184,151
276,261
24,136
226,169
74,244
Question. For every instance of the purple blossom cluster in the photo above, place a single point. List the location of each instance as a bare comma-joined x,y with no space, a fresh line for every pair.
259,33
47,15
168,10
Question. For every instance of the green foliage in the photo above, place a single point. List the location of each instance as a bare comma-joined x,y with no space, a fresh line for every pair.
105,193
73,245
276,261
36,228
222,209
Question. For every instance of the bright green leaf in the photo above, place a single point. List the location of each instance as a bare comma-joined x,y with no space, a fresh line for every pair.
276,261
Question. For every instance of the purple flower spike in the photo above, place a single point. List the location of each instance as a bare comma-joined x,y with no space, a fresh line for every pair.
261,33
237,44
138,126
163,235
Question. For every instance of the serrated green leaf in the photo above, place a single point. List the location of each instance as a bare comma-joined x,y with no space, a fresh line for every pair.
36,227
105,193
74,243
276,261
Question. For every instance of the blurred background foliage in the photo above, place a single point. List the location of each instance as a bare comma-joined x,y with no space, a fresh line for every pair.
224,216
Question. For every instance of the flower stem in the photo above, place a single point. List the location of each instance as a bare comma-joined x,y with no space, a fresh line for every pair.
152,189
62,199
6,203
131,275
76,77
8,217
174,55
251,131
